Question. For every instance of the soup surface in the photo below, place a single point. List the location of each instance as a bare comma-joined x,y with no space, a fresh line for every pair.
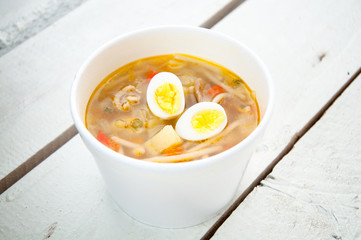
143,109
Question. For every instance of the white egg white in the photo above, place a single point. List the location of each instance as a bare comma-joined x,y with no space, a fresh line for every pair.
158,80
184,126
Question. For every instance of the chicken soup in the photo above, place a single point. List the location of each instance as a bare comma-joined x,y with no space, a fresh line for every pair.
172,108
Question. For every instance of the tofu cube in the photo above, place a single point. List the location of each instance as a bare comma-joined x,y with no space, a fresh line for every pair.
164,139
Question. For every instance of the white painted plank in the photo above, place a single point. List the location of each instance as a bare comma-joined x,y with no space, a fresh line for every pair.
311,48
36,76
108,221
22,19
315,191
65,196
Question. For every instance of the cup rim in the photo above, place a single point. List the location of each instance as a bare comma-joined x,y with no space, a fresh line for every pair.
179,166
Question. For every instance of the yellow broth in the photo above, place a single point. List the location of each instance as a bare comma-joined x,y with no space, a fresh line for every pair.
134,124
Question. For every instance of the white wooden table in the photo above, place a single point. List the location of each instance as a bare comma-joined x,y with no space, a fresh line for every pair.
304,180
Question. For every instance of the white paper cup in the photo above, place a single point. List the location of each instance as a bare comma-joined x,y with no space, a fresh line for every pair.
172,195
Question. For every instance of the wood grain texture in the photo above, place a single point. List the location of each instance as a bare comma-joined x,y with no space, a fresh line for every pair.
315,191
65,197
19,172
37,75
21,19
311,48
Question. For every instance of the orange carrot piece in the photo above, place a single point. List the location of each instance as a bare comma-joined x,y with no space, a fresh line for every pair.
108,142
175,150
215,90
103,138
151,74
114,145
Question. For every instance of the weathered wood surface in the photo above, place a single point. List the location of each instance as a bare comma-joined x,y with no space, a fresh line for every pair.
311,47
315,191
21,19
65,197
36,76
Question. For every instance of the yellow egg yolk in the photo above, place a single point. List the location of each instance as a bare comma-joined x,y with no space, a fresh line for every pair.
168,98
208,120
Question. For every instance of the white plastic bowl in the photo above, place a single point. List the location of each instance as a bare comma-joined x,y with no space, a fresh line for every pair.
172,195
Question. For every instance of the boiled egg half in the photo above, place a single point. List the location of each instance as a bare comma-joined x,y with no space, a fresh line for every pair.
165,96
201,121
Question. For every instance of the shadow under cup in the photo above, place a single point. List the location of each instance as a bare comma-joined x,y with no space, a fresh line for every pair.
172,195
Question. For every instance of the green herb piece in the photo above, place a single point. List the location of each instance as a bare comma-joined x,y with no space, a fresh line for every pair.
137,123
237,81
108,110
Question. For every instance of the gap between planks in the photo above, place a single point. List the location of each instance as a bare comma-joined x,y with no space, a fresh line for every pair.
68,134
222,13
36,159
212,230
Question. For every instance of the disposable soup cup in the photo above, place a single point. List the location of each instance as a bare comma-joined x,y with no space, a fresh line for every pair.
172,195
